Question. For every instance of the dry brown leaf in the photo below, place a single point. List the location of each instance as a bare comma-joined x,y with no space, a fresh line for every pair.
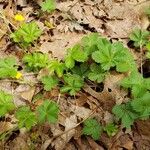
6,126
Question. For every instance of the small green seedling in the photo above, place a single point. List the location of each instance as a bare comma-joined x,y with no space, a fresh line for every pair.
48,111
73,83
6,103
26,118
48,5
26,34
49,82
35,61
92,128
8,67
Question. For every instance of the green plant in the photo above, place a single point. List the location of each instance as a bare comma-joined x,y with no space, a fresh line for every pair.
55,66
111,129
113,55
142,105
73,83
97,73
26,118
92,128
26,34
140,37
8,67
76,53
49,82
126,114
35,61
48,5
6,103
48,111
136,83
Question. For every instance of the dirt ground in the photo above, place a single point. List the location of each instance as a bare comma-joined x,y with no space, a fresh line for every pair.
72,19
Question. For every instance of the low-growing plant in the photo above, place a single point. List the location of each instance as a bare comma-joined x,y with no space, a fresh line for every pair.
48,5
6,103
26,34
35,61
49,82
72,83
92,128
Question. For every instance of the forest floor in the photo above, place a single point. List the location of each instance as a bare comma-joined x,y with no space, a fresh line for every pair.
61,29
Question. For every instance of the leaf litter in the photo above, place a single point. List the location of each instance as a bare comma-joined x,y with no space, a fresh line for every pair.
61,30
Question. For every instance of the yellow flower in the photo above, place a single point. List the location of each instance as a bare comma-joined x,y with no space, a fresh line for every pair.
18,75
19,17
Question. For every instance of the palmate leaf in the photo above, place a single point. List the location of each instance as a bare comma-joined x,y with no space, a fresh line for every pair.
111,55
125,113
136,83
97,73
75,54
49,82
8,67
142,105
26,118
48,5
26,34
48,111
6,103
35,61
140,37
55,66
89,43
73,83
92,128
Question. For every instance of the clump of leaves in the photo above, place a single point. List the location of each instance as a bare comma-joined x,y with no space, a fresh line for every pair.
35,61
113,55
111,129
49,82
75,54
48,5
48,111
73,83
125,113
6,103
92,128
140,37
55,66
8,67
142,105
26,34
136,83
26,118
97,73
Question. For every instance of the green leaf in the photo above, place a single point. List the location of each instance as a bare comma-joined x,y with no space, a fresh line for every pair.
6,103
57,67
136,83
111,129
81,70
73,83
26,117
97,73
140,37
142,105
111,55
75,54
90,43
48,111
48,5
125,113
8,67
49,82
92,128
26,34
35,61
